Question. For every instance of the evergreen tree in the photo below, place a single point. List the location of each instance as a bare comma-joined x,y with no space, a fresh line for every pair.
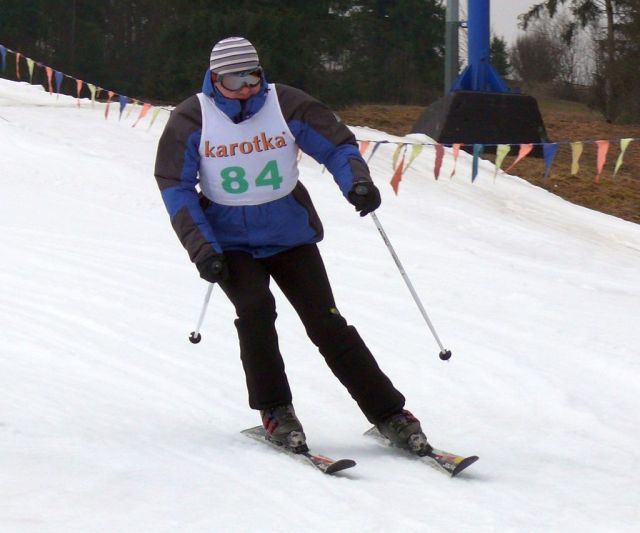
500,56
340,50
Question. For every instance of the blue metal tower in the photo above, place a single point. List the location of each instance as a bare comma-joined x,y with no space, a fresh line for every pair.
478,108
479,74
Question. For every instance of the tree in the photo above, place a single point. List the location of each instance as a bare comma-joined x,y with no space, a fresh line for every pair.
530,59
585,13
395,50
542,56
626,76
500,56
339,50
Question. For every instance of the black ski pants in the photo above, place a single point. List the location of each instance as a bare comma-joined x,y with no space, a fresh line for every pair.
301,275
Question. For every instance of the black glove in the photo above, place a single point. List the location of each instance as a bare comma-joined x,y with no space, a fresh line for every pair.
365,196
213,268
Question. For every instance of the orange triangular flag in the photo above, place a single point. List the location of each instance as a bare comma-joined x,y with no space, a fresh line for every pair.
397,175
525,149
143,113
603,148
49,71
456,153
106,109
364,146
79,89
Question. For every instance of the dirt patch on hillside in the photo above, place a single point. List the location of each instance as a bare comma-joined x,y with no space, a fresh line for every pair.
565,121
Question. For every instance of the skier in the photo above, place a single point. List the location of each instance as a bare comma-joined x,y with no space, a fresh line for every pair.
253,221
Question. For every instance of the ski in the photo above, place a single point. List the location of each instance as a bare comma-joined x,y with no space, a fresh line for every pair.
322,463
446,462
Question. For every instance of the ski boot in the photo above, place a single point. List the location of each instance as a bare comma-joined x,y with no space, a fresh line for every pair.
283,428
404,430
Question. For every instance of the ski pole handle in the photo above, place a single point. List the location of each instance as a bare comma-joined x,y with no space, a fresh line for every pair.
195,336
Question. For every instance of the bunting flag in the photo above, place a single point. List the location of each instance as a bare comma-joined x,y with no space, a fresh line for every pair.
156,112
603,148
477,152
49,72
30,63
401,160
124,100
95,91
375,149
396,154
134,103
59,77
79,89
624,144
502,151
438,162
416,150
106,109
3,54
143,113
549,151
525,150
92,90
576,152
456,153
397,175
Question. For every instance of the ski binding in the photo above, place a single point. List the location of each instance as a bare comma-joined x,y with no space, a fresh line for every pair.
446,462
322,463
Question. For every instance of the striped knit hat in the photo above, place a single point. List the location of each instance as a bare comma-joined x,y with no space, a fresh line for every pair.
233,54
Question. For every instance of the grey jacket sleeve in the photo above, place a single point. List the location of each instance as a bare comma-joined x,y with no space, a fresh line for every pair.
320,134
176,172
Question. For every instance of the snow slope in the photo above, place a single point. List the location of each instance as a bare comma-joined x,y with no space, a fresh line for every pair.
110,420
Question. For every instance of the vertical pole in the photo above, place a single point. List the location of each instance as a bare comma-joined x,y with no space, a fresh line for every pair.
479,42
444,353
195,335
451,44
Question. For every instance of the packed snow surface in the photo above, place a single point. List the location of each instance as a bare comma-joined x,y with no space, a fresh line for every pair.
110,420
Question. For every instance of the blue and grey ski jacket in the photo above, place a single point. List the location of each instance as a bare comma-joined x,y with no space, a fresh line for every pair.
203,226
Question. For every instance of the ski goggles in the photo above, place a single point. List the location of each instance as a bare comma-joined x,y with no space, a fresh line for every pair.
234,81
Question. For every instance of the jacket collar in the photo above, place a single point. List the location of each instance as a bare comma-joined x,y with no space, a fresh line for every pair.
236,110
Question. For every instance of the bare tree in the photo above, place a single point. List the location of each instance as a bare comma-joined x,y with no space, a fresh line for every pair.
602,15
537,56
529,58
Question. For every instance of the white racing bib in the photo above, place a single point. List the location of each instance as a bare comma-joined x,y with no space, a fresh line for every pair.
250,163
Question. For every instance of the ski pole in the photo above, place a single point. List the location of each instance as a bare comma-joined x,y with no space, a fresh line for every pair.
195,336
444,354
